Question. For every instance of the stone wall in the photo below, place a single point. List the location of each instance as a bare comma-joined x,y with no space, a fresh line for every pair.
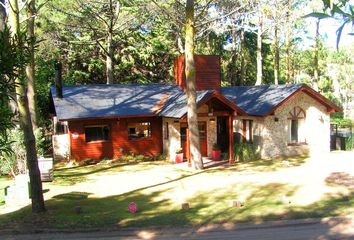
173,142
271,137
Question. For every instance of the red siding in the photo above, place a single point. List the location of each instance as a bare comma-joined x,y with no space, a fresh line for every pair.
118,143
208,72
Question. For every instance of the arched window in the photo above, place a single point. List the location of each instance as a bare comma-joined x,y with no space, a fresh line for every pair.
297,133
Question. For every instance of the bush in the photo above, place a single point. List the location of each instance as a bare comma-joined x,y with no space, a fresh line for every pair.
13,151
14,161
349,143
245,151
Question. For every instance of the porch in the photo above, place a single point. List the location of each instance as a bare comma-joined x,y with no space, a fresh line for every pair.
215,127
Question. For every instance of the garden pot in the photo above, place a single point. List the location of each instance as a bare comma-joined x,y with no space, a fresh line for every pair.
179,158
215,155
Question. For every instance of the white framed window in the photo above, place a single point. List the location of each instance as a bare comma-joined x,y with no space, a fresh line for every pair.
297,132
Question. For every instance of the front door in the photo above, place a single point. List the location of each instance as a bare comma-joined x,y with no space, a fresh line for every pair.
202,139
223,133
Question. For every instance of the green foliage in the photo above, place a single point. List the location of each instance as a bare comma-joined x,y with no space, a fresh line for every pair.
341,121
14,162
349,143
216,147
13,158
245,151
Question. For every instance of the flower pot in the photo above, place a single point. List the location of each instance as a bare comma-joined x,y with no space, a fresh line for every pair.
215,155
179,158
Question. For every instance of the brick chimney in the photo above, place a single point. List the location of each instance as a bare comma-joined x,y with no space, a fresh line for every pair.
208,72
58,79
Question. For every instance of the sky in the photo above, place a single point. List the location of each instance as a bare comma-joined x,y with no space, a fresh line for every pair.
328,29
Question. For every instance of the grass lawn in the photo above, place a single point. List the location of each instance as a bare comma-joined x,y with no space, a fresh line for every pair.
98,196
4,182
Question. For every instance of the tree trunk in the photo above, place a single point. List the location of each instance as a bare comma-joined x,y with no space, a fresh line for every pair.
25,122
2,15
242,56
232,66
30,68
109,58
259,51
276,56
192,119
316,76
287,49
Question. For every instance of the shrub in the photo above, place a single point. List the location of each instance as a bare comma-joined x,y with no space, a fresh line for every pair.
245,151
13,151
216,147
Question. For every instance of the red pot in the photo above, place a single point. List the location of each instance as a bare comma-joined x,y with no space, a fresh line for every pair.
179,158
215,155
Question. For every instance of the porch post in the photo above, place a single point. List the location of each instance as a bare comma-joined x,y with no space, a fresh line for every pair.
188,155
231,140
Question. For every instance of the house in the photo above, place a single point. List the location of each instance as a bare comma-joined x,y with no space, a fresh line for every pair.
108,121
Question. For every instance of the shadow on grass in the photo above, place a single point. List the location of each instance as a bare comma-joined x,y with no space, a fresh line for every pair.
262,165
72,175
341,179
157,208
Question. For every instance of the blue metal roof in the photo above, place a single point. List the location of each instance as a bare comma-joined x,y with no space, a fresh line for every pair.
176,105
93,101
259,100
167,100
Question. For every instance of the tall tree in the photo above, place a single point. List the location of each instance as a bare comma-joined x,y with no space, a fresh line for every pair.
276,56
2,15
99,21
287,46
259,46
316,74
195,155
30,68
24,114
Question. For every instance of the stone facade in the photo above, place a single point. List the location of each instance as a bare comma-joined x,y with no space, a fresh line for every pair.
271,133
172,142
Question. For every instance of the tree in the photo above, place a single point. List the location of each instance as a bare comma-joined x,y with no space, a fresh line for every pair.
259,46
2,15
195,155
30,68
332,9
99,21
316,74
24,113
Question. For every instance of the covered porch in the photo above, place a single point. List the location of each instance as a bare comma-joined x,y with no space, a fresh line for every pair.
215,127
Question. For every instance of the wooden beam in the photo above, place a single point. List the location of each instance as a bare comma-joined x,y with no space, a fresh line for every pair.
214,114
188,154
231,140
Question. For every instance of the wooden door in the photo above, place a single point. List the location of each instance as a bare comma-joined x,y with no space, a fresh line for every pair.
202,127
203,138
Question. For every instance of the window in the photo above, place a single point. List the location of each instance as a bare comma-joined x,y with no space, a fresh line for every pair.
248,130
96,133
61,128
296,126
139,130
